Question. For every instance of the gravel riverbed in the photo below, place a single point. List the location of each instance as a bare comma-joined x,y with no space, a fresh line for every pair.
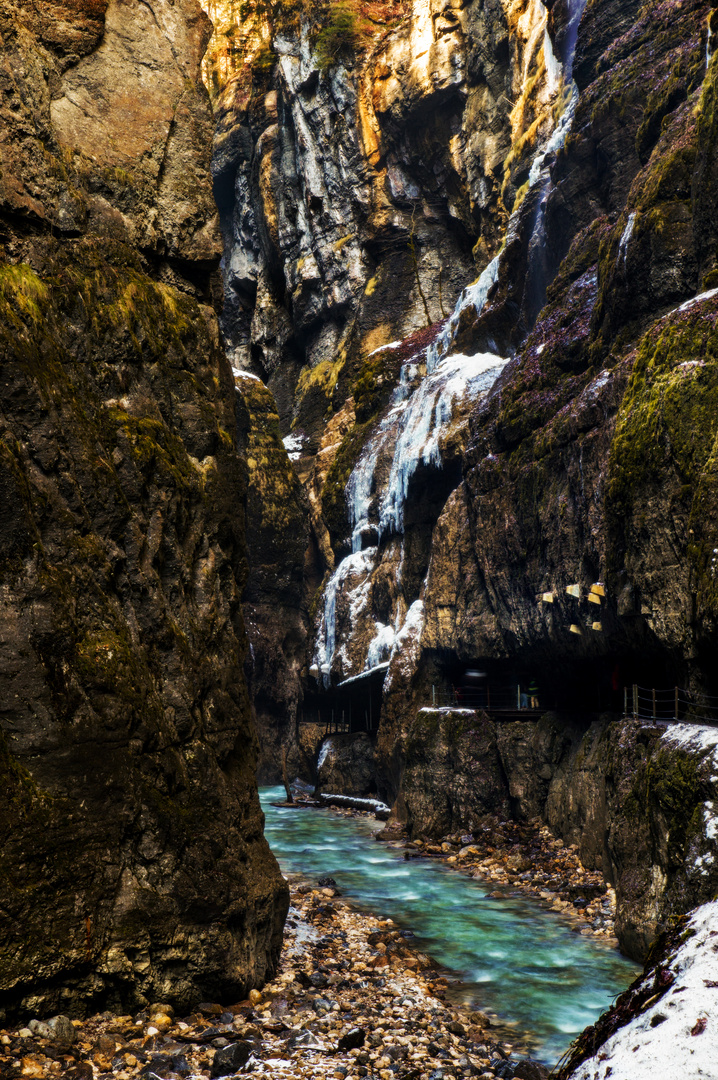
354,998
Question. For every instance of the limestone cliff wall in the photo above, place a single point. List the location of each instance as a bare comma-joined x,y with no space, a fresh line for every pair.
132,861
357,198
577,469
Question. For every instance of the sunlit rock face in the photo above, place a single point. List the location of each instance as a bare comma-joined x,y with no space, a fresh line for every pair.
357,200
351,197
132,862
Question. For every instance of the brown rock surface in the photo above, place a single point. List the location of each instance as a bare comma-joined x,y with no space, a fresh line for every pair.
133,862
347,765
275,601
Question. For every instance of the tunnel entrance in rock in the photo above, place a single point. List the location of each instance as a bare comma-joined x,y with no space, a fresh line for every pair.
353,705
563,684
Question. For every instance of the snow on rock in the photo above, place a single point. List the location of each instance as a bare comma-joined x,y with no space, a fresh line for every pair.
449,709
326,748
688,304
239,373
710,821
474,295
380,810
675,1037
383,348
698,299
699,738
380,646
406,644
293,446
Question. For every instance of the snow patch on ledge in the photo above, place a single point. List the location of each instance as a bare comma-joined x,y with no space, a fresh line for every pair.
239,373
383,348
687,304
450,709
676,1036
699,738
365,674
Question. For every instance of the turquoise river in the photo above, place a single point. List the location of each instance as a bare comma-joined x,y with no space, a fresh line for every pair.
509,954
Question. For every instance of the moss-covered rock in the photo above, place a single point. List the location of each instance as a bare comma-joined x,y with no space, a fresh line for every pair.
132,862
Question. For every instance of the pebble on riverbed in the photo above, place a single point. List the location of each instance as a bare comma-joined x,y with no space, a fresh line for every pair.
353,999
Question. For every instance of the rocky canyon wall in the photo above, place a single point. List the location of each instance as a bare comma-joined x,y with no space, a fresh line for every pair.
474,255
456,470
132,861
357,199
637,800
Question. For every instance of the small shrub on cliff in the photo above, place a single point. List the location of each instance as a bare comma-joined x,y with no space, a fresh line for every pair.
343,35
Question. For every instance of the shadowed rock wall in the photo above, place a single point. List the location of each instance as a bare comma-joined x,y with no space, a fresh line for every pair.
132,861
637,802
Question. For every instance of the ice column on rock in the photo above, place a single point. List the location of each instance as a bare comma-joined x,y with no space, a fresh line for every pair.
626,238
361,484
474,295
352,578
424,420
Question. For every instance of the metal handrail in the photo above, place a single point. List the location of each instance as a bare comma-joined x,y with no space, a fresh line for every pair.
669,705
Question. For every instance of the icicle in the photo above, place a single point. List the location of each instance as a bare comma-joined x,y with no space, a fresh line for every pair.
403,654
474,295
380,646
553,64
327,747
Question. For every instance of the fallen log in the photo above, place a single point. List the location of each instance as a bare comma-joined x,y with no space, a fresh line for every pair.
380,810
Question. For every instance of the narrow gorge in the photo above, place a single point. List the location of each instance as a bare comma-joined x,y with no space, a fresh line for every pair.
359,425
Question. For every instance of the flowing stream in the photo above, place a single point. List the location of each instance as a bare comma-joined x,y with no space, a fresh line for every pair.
511,955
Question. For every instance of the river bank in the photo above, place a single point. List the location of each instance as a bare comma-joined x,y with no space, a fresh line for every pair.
353,999
355,996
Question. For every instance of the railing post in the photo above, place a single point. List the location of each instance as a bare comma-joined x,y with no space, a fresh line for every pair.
675,717
433,695
635,701
654,702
